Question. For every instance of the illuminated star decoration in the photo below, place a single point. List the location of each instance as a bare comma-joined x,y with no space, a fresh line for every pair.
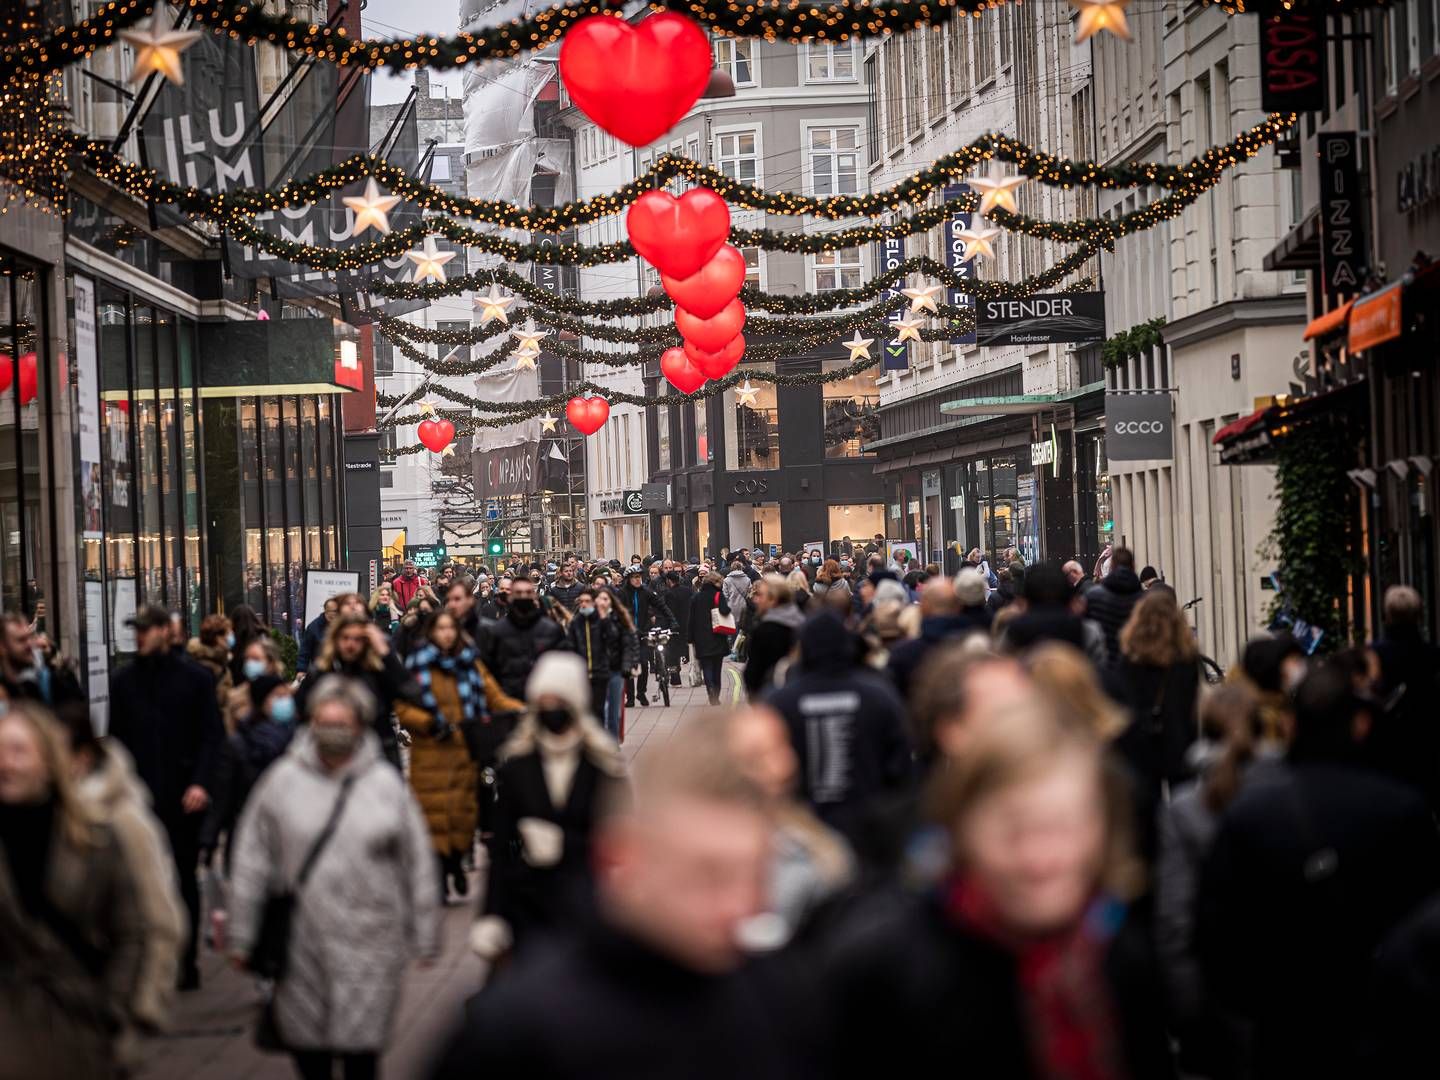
1097,15
372,210
907,329
447,451
859,347
997,192
429,261
493,305
525,361
745,394
426,409
923,299
529,347
158,47
977,242
547,423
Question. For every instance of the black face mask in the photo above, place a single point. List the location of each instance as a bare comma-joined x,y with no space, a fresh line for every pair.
523,606
555,721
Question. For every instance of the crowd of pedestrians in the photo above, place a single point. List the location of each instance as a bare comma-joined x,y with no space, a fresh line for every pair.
998,821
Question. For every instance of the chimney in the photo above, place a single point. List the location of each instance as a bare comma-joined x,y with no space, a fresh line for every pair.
422,84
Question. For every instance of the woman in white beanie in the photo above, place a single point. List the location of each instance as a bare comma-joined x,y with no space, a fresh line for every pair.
557,773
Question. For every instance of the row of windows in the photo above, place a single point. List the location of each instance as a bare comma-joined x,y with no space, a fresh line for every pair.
820,61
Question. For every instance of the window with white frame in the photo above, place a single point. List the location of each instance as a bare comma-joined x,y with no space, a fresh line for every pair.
734,57
830,61
834,160
737,155
692,148
836,269
752,267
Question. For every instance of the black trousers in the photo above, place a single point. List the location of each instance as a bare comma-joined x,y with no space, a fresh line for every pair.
184,832
712,667
320,1065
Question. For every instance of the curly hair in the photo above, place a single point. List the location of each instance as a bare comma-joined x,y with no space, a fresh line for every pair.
1156,635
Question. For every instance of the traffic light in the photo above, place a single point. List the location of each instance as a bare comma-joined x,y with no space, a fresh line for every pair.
495,546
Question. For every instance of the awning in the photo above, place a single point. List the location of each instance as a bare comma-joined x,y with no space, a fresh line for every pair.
1012,405
1239,427
1329,323
1254,439
1375,319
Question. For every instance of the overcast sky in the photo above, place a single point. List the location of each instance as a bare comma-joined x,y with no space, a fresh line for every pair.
410,18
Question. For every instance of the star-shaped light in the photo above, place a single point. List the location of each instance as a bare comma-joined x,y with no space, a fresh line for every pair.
372,210
1097,15
429,261
525,361
426,409
859,347
923,299
529,339
907,329
447,452
745,394
158,47
997,192
977,242
493,305
547,423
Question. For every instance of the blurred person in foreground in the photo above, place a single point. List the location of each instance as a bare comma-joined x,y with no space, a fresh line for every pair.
1026,961
655,985
370,903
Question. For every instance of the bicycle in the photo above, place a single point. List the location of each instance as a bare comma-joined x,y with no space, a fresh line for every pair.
657,642
1213,672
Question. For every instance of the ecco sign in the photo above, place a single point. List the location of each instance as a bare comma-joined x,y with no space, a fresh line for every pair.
1138,427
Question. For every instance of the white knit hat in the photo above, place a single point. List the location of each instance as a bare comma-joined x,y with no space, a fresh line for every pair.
561,675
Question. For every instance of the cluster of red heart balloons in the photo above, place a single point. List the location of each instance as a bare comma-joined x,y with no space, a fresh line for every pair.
685,239
29,376
436,433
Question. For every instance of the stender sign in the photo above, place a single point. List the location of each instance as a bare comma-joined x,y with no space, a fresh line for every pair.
1043,319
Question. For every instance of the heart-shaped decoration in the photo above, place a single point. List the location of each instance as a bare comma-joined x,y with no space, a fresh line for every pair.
709,289
587,415
714,333
435,434
635,81
675,365
716,365
29,376
678,236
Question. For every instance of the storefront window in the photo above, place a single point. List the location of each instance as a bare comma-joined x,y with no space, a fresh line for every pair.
168,421
754,524
702,432
702,532
24,356
250,482
752,429
662,438
190,472
147,457
852,412
855,522
667,536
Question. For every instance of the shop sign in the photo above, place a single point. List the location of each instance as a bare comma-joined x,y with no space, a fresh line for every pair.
321,585
655,497
633,502
1417,184
1375,319
1139,427
1292,63
1342,246
424,556
889,255
955,257
1046,452
759,485
1042,319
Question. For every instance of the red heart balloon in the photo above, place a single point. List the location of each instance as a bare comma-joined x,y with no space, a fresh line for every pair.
436,434
635,81
683,375
678,236
714,333
29,378
587,415
709,289
716,365
7,372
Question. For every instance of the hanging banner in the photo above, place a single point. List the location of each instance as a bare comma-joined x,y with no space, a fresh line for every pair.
506,460
1139,427
1343,246
87,393
1042,319
889,254
955,258
1292,63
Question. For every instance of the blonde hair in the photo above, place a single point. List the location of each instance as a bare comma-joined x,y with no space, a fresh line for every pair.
1156,635
74,816
1063,674
326,660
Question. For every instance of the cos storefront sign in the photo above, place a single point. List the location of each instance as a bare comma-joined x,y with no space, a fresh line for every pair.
759,485
1139,427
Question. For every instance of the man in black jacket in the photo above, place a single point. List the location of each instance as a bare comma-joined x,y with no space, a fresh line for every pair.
677,594
510,645
1110,602
646,610
163,710
596,641
773,628
846,723
314,635
565,590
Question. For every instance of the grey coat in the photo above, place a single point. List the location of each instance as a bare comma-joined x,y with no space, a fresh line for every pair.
737,591
369,907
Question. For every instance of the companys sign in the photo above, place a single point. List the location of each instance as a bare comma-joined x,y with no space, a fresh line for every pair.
1045,319
1139,427
955,257
1292,63
1343,246
890,255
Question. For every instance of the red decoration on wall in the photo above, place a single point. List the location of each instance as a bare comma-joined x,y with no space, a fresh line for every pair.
587,415
676,366
678,236
635,81
709,289
714,333
716,365
436,435
29,376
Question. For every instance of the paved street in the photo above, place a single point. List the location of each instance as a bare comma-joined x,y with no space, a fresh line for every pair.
210,1038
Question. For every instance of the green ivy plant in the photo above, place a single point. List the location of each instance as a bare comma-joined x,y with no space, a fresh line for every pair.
1127,343
289,651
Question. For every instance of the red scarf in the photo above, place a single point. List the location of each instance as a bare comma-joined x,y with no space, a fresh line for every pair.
1069,1015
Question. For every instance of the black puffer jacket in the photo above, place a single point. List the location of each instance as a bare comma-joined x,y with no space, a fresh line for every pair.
598,643
1110,604
565,594
645,606
510,646
677,598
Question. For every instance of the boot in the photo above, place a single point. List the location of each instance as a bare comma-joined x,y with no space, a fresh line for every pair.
458,877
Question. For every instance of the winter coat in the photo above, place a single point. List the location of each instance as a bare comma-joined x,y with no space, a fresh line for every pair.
703,639
163,711
1110,603
369,907
598,642
737,592
1164,718
907,656
838,585
678,599
257,743
405,589
124,805
216,660
441,770
389,684
770,641
942,993
847,726
537,884
510,646
310,642
565,594
1309,868
645,607
69,983
1405,741
1405,998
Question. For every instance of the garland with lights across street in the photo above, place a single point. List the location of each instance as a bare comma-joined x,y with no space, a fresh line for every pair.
772,20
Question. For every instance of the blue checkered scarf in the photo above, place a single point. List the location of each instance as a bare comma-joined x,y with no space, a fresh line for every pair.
469,683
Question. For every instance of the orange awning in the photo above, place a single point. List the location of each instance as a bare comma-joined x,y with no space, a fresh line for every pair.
1376,318
1329,323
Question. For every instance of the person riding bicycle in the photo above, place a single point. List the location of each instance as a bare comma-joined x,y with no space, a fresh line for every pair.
646,609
